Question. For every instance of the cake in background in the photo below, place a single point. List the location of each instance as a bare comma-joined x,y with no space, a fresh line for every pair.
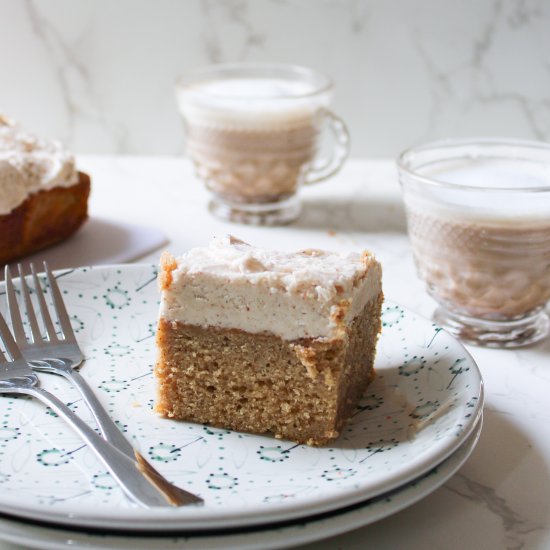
43,198
267,342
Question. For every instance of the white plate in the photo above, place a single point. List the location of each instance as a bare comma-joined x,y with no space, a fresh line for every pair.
296,533
425,401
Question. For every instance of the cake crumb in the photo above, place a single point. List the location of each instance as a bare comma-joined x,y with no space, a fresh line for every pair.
167,265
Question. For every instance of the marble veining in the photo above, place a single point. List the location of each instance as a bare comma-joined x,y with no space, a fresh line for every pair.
484,69
74,80
100,75
515,525
232,13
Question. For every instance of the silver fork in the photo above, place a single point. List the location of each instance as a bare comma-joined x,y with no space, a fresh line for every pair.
59,355
138,480
54,354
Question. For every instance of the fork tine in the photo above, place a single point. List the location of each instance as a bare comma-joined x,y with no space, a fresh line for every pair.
13,307
46,318
35,330
59,304
9,342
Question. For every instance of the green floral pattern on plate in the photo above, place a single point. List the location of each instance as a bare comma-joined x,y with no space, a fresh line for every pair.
289,535
424,402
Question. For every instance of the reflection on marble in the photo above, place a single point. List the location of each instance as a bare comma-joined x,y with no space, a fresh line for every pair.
99,74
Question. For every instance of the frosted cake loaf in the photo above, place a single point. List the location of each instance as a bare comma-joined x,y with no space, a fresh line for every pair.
43,198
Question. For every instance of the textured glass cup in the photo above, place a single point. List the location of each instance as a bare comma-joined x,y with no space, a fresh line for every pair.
252,131
478,215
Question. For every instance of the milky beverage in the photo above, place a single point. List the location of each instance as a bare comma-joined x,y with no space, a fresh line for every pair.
251,139
484,254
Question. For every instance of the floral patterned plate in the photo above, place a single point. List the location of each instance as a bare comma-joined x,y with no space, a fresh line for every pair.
423,404
293,533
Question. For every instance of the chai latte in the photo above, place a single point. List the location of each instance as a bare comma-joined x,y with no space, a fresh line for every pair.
251,139
481,253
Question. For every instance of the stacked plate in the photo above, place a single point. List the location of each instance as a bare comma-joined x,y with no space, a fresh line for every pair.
417,424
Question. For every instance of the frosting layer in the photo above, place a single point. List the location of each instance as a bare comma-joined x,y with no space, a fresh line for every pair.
230,284
41,164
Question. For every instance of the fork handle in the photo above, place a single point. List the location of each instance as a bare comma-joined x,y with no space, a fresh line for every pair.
136,477
109,430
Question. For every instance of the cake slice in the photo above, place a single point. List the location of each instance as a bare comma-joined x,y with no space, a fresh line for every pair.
266,342
43,199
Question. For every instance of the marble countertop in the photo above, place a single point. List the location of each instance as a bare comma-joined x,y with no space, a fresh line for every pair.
500,497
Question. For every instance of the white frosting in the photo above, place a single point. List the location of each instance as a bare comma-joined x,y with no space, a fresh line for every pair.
42,164
250,102
13,188
231,284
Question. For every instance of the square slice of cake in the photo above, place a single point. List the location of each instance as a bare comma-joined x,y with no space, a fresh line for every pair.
267,342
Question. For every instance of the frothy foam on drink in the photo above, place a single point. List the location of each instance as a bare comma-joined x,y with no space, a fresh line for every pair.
484,201
254,88
493,173
250,101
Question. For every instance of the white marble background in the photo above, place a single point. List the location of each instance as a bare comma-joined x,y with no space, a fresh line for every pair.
99,74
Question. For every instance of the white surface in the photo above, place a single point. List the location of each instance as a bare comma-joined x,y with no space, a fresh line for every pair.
423,404
307,531
499,499
100,74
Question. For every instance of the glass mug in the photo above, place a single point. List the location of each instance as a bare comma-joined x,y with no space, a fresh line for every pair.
252,132
478,216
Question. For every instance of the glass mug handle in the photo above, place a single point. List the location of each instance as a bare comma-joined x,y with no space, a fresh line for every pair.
340,152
